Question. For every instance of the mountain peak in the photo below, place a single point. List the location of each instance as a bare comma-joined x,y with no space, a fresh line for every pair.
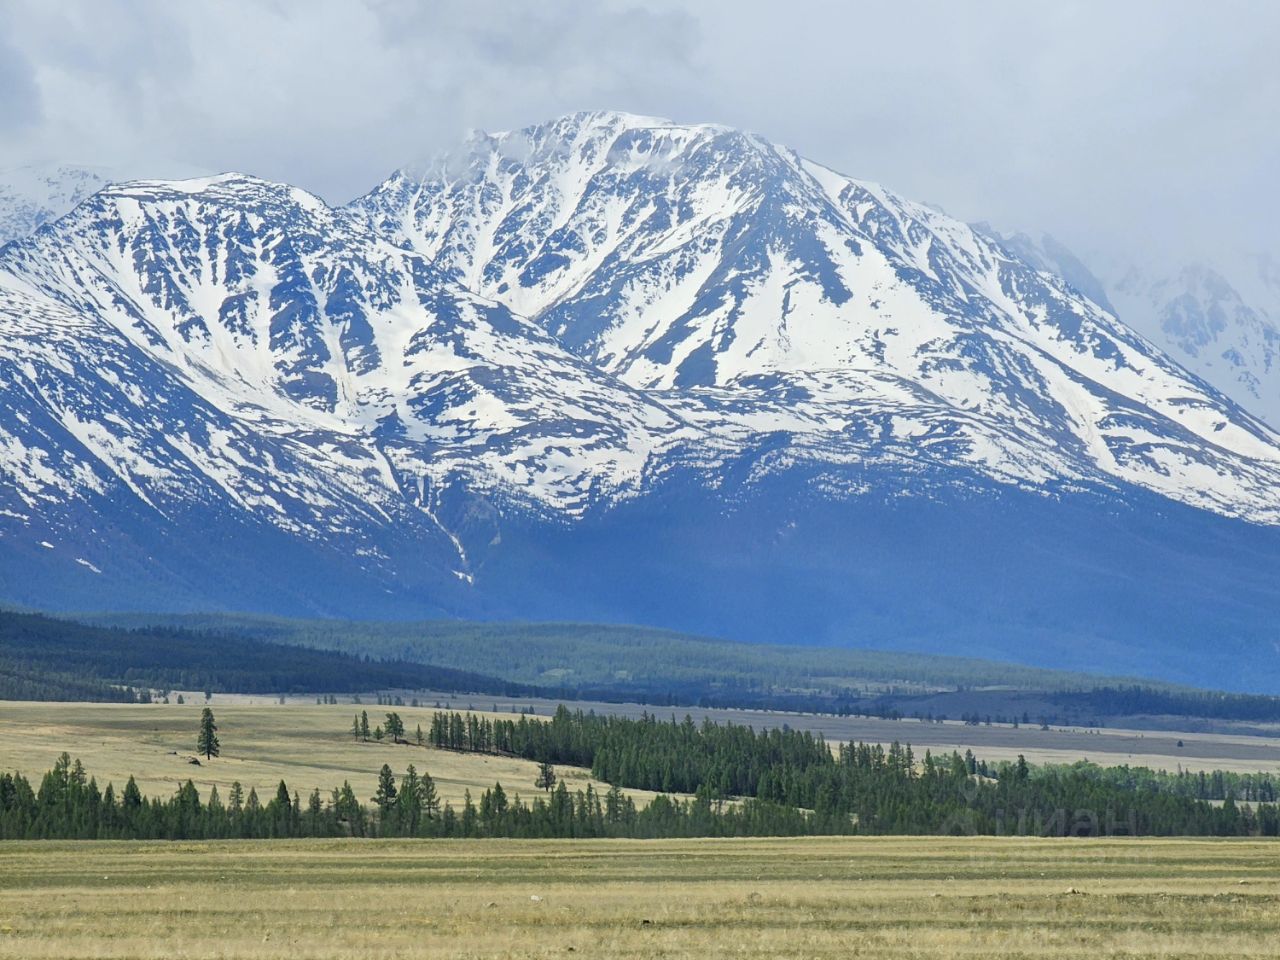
32,196
229,187
566,341
608,122
587,134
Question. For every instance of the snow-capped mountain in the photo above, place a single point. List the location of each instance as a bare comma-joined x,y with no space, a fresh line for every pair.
252,347
700,258
616,368
1221,322
33,196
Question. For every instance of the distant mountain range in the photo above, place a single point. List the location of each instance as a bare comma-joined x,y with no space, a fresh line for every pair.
616,368
30,197
1221,322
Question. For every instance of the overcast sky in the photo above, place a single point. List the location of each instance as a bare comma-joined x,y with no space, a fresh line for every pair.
1124,124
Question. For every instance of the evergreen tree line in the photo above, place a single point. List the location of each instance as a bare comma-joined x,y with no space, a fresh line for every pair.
864,787
68,805
1137,699
657,663
649,754
43,658
1200,785
874,791
21,679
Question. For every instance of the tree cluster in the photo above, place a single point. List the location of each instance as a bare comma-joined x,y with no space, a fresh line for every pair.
864,788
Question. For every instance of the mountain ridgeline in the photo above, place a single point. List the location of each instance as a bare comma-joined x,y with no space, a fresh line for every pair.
616,369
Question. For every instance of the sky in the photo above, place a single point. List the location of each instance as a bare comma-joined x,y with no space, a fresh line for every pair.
1143,128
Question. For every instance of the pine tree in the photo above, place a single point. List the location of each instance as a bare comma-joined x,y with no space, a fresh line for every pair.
386,794
430,799
469,815
364,725
315,810
282,812
409,803
613,805
132,795
207,741
546,777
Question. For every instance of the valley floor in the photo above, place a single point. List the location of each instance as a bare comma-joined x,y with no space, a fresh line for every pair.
1170,749
852,897
307,745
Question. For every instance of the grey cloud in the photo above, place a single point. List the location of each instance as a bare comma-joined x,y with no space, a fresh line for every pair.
1113,125
20,105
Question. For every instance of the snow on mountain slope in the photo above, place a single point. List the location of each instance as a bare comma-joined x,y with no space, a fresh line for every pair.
614,368
1220,321
691,259
86,413
1223,323
1048,255
240,339
33,196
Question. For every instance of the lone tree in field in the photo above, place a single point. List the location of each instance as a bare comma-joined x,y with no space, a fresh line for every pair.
546,776
207,742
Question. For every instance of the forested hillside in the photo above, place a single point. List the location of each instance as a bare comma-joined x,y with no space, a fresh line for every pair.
42,658
586,656
611,662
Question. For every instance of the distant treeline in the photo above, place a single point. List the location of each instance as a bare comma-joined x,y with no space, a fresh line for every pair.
23,679
1131,700
664,668
858,788
1199,785
660,666
42,658
69,805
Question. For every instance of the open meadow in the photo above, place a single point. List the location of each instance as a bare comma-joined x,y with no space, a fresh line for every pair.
307,745
853,897
310,746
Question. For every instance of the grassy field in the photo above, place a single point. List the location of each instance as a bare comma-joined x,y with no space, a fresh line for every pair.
306,745
881,897
309,746
1163,749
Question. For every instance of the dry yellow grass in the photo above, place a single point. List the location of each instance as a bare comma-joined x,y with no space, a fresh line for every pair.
817,898
306,745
